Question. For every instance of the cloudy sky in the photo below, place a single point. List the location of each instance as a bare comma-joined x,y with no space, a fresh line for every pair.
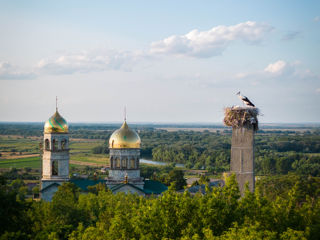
166,61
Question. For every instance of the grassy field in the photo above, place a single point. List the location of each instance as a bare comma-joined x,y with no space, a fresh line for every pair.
19,144
84,145
31,162
20,152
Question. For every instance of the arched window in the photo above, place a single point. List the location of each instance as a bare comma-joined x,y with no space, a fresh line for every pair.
111,162
63,144
117,160
54,145
47,144
132,163
124,162
55,168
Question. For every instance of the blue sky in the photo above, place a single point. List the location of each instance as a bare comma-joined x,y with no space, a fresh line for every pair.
166,61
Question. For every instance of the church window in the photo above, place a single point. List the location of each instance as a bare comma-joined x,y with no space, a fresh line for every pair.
47,144
124,162
54,145
117,160
63,144
111,162
55,168
132,163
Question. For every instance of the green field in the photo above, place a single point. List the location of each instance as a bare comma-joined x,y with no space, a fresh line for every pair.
14,148
31,162
87,157
83,145
19,144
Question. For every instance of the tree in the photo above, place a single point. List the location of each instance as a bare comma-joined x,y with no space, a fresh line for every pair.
64,212
13,217
177,177
97,188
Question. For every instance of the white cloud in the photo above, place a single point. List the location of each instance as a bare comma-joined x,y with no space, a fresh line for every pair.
280,71
212,42
276,68
9,71
317,19
93,61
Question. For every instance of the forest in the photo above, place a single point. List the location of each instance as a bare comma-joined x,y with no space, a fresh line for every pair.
284,207
275,152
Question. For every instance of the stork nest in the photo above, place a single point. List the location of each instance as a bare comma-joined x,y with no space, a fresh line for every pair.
241,117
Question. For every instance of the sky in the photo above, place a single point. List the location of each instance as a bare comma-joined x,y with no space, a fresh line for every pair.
165,61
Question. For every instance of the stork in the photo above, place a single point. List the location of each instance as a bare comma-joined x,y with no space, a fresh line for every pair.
245,100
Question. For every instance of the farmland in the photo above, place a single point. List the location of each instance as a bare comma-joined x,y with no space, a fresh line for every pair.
23,152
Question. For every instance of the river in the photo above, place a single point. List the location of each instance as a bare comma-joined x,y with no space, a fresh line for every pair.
147,161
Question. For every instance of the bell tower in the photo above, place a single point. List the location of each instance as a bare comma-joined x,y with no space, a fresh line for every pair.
124,146
55,158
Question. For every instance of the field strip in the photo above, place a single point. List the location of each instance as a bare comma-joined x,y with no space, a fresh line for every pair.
87,163
18,161
20,156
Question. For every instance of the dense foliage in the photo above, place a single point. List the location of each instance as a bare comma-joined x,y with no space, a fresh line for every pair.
220,214
274,152
168,175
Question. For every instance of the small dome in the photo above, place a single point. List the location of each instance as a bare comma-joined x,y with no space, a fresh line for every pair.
124,138
56,124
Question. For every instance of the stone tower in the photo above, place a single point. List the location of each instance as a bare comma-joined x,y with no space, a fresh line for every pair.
242,156
124,146
244,123
55,160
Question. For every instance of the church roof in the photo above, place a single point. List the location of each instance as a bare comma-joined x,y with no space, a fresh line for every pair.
150,187
119,186
124,137
154,187
56,124
50,186
83,184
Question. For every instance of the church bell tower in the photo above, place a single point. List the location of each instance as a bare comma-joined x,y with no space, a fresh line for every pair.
55,160
124,146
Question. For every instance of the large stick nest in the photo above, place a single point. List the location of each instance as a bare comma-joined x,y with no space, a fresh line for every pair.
241,117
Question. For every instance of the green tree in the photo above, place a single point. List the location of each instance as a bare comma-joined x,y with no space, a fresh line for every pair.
177,177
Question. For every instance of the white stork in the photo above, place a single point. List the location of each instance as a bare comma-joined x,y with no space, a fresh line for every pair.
245,100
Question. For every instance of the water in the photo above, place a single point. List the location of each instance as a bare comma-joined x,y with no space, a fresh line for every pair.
147,161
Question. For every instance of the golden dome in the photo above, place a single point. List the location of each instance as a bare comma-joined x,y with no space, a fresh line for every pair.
56,124
124,138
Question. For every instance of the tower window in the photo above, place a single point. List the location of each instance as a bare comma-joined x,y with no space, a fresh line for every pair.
55,168
54,145
124,162
117,160
132,163
63,144
111,162
47,144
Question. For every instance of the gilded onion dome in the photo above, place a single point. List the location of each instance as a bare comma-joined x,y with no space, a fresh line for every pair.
124,137
56,124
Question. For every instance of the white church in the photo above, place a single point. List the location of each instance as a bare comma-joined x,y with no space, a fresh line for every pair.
124,171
